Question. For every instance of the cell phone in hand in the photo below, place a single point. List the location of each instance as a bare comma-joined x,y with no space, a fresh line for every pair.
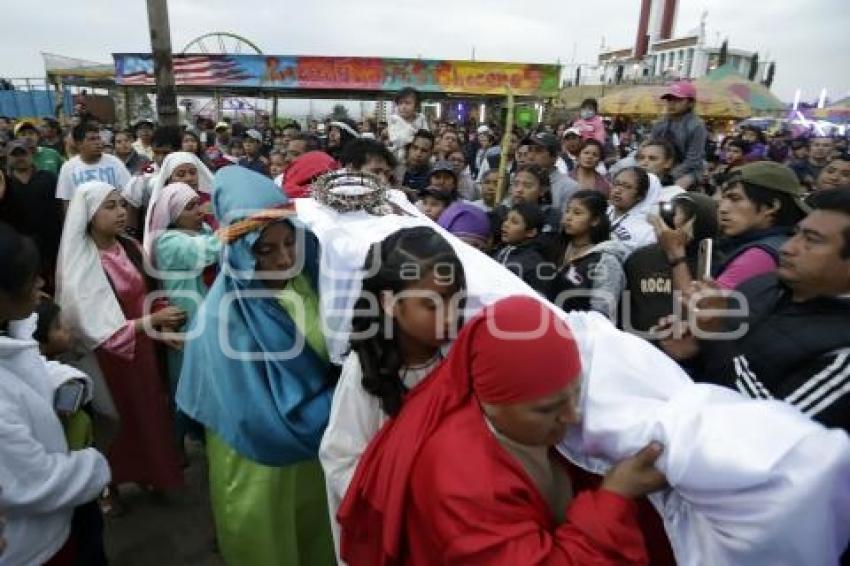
667,211
706,249
69,397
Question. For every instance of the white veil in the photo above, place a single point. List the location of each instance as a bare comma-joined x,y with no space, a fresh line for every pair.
83,292
171,162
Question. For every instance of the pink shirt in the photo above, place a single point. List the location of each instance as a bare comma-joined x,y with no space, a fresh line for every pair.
593,128
753,262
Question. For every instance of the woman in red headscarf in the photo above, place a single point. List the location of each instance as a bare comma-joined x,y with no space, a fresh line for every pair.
465,473
299,175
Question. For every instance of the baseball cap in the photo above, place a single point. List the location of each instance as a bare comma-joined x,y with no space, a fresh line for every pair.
773,177
17,144
443,165
25,125
680,89
254,134
545,139
222,126
571,131
484,129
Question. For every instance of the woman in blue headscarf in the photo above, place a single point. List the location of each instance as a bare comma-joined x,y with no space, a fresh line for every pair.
255,375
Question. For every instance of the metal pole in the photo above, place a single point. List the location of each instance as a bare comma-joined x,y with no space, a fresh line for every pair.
166,100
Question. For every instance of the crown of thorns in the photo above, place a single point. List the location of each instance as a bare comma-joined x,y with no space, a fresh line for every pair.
345,191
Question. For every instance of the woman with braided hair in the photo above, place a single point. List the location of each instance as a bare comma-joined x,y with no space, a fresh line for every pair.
404,317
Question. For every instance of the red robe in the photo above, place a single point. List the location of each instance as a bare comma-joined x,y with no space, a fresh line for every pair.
144,451
473,503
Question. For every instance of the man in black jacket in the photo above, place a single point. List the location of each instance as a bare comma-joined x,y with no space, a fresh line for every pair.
28,203
795,345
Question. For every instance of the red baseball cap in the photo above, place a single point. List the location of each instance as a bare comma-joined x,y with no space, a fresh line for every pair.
680,89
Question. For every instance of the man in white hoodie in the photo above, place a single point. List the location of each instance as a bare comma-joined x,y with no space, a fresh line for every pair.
41,481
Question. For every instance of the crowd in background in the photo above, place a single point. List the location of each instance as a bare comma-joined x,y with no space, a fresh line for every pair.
640,228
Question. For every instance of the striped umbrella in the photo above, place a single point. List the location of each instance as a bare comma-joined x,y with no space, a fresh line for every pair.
727,79
646,101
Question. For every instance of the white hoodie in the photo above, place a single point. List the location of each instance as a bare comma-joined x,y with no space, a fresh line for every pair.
633,228
41,481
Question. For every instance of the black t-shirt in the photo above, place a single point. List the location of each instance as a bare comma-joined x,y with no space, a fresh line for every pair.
32,209
649,288
571,278
416,179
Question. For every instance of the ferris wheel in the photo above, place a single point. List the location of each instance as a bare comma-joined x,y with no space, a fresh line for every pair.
222,43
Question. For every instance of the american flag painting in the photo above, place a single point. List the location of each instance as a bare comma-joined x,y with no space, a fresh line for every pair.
188,70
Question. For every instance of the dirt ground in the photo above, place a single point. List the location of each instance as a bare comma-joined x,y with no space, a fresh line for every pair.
176,530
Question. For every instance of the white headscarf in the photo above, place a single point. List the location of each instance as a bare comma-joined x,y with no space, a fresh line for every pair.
171,162
171,201
83,292
650,201
633,228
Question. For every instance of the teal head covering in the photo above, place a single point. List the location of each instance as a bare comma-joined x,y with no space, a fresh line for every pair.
249,375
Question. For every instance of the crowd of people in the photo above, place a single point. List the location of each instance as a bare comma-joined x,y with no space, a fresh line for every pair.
150,276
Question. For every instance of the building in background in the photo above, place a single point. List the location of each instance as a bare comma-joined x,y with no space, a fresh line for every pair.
659,56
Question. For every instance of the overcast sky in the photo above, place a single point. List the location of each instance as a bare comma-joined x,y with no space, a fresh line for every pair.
809,39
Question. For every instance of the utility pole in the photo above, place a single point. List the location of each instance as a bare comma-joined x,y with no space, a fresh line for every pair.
166,99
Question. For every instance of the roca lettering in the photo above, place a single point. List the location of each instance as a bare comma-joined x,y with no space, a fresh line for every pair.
656,285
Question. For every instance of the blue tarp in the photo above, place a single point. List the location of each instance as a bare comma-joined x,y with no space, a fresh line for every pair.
32,103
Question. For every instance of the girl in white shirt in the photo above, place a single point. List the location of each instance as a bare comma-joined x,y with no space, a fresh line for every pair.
41,480
408,310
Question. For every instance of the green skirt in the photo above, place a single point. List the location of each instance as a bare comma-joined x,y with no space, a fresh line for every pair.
267,516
